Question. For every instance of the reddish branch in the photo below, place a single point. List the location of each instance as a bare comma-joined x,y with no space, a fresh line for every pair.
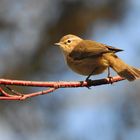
52,86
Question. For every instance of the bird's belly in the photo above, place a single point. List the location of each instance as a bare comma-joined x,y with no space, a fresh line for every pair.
88,66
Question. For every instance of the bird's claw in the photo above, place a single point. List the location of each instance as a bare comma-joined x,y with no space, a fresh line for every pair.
110,79
89,81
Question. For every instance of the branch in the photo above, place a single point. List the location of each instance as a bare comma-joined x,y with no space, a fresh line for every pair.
52,86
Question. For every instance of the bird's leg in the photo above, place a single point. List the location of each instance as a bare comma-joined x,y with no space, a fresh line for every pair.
87,79
108,75
108,69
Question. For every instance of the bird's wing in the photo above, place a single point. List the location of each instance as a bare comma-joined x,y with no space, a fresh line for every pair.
114,49
87,48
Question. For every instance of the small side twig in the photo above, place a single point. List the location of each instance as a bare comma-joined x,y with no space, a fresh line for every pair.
12,90
52,86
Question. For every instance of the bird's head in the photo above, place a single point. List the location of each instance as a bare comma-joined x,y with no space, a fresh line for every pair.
68,42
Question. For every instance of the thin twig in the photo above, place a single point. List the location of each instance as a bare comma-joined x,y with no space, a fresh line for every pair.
51,85
61,84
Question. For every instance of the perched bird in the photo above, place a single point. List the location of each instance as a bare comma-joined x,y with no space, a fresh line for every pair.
87,57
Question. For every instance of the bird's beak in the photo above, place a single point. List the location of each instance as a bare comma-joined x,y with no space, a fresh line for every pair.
57,44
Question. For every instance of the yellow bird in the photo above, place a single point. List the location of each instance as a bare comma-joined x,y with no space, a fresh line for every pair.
87,57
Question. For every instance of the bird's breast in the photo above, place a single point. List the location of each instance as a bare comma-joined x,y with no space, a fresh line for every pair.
86,66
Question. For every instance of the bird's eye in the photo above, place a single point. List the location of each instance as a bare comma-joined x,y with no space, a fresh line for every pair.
69,41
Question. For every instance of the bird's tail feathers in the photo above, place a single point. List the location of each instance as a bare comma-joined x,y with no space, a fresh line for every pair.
128,72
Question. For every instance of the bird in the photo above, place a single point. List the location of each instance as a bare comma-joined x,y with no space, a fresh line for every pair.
88,57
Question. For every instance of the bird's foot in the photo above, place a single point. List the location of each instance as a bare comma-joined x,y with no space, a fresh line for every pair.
110,79
89,81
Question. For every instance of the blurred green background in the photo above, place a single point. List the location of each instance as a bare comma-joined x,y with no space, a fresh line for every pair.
28,31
